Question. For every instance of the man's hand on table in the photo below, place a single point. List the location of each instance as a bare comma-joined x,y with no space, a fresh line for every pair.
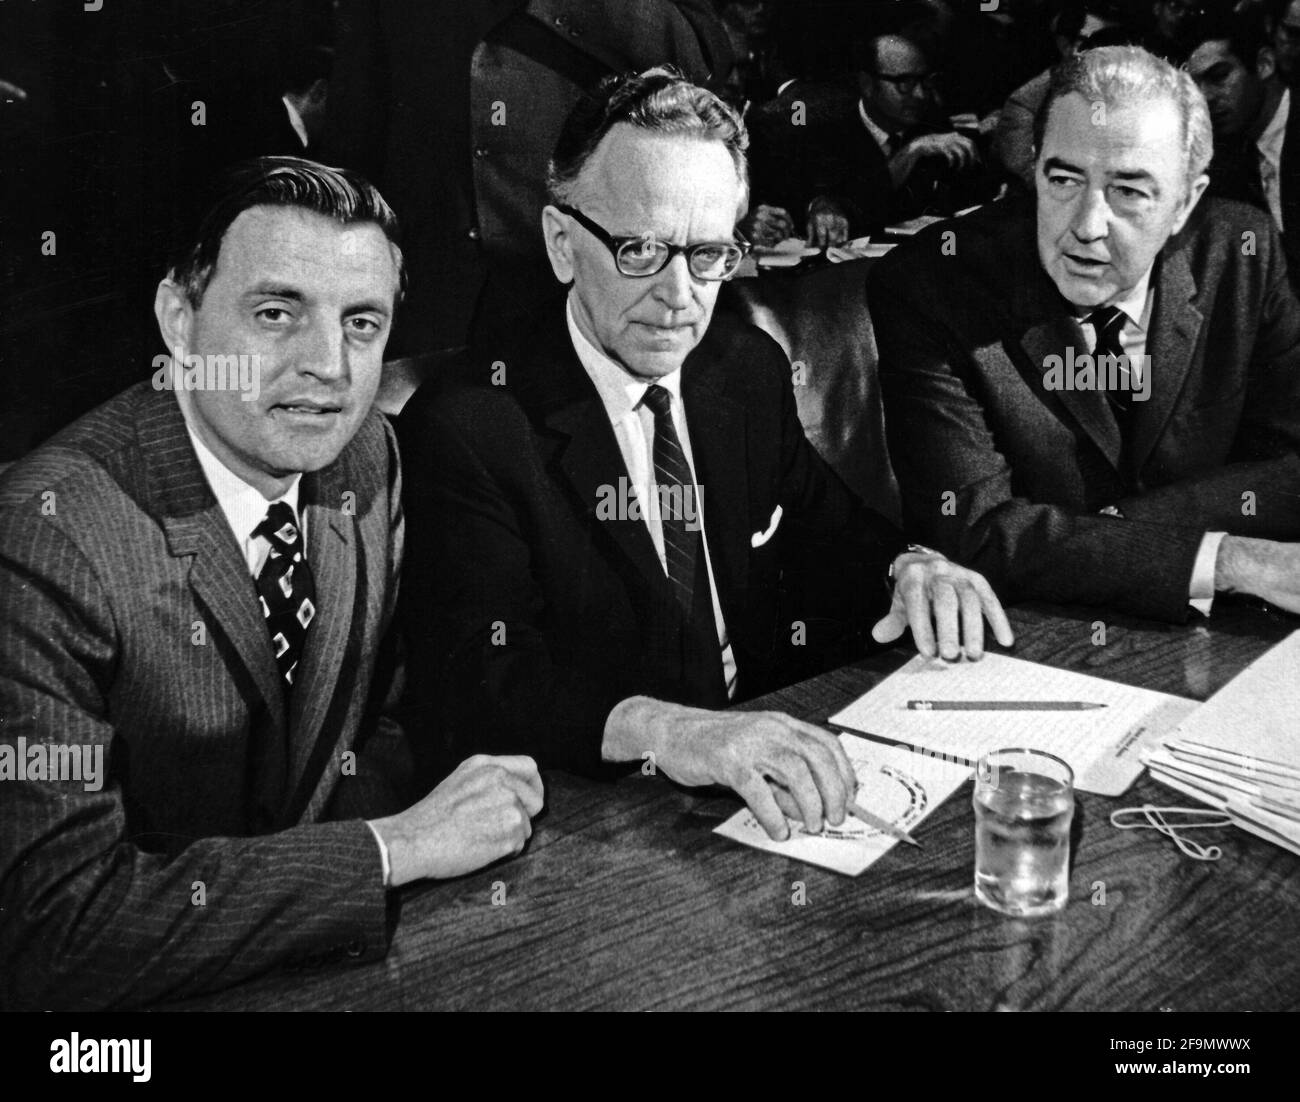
777,764
1267,569
478,814
943,604
827,223
767,226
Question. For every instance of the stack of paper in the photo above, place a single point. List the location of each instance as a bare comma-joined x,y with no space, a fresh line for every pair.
1240,751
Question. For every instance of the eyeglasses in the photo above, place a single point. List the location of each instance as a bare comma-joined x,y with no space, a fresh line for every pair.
638,257
908,83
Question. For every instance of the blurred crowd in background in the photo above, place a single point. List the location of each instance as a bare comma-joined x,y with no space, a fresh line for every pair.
861,113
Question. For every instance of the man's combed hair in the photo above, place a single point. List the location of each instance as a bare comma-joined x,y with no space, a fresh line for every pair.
1124,76
336,193
659,100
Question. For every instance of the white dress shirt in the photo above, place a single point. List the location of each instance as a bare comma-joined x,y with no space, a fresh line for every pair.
1137,306
245,508
621,394
1269,144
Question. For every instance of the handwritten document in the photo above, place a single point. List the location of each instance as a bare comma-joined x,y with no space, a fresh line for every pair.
900,786
1101,745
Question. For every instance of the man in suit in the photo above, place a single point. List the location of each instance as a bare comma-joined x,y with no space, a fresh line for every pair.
453,108
601,532
1256,134
195,585
849,165
1095,397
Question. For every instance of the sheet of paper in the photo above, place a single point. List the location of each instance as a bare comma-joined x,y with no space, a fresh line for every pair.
1256,714
900,786
860,248
1101,745
914,225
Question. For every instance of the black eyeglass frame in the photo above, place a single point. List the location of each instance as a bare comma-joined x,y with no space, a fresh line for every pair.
617,244
908,83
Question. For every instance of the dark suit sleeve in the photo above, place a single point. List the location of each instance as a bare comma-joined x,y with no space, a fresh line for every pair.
483,677
1265,456
89,915
957,486
836,556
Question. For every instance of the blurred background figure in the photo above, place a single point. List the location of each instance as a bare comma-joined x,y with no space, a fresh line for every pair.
1173,23
1077,23
758,69
453,108
839,158
123,111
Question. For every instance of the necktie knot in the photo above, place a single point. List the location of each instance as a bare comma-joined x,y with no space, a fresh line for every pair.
659,399
1108,321
279,527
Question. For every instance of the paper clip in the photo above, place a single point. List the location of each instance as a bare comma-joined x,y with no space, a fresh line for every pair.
1155,818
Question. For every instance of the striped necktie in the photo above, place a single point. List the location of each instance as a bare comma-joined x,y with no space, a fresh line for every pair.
676,492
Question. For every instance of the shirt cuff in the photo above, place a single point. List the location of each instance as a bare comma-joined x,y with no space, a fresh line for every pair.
1201,592
383,855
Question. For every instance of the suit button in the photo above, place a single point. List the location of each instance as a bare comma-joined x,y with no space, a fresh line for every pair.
473,233
480,152
356,948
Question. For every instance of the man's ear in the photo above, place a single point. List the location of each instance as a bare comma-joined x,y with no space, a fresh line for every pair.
171,306
1265,63
1194,194
559,245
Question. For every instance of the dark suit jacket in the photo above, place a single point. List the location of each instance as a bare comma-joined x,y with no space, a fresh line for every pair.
453,110
529,617
1009,476
129,621
826,151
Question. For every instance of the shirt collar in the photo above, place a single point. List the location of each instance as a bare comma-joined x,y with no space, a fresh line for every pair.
881,136
1275,132
1136,303
620,392
243,505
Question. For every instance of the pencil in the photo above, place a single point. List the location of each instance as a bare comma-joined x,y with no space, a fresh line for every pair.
1001,705
860,812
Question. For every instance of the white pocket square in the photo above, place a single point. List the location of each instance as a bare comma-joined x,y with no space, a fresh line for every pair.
760,538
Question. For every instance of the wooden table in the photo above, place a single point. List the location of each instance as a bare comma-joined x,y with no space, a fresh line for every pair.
625,899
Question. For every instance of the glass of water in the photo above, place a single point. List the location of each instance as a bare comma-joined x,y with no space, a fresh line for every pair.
1024,801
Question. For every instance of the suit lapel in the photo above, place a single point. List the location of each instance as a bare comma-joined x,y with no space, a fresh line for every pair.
716,425
1043,327
588,457
196,527
332,555
1175,327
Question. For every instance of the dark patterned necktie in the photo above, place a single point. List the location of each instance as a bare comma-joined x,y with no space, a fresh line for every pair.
285,587
1109,322
675,485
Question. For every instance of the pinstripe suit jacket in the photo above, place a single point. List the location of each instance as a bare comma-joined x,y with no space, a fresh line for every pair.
129,621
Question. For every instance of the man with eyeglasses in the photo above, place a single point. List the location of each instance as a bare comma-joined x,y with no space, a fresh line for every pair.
885,157
607,537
